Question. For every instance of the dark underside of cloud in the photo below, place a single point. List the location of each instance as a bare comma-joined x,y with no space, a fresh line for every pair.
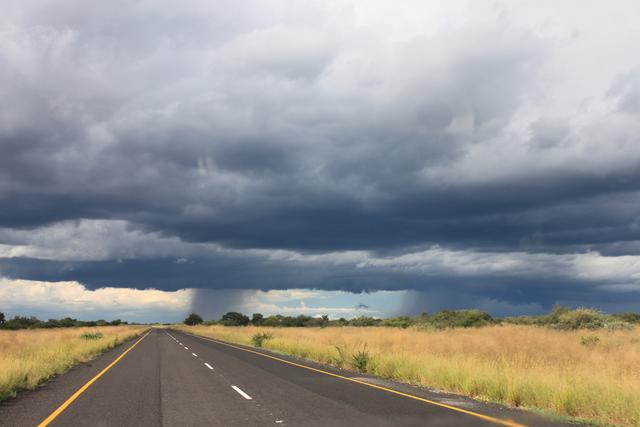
502,295
181,126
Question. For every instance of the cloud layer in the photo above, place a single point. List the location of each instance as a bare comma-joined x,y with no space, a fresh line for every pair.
62,299
475,151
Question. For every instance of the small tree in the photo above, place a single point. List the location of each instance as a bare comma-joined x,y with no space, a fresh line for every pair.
234,319
1,318
68,322
193,319
257,319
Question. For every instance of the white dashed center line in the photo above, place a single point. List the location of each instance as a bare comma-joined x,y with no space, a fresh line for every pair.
194,355
208,366
241,393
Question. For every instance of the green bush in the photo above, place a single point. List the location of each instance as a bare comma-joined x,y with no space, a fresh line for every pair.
91,336
360,359
628,317
580,318
364,321
399,322
589,340
259,338
616,325
460,319
341,358
564,318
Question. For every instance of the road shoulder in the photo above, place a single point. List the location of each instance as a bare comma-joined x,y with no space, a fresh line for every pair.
30,407
522,416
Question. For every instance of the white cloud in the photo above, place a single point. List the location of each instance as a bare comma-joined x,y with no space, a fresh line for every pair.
441,261
61,299
335,304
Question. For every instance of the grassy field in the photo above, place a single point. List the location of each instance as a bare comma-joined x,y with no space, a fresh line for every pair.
30,357
590,375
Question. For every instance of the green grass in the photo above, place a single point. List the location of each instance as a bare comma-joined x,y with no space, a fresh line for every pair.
91,336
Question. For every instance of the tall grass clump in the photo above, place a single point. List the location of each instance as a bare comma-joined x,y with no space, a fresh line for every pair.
91,336
587,373
30,357
360,359
259,339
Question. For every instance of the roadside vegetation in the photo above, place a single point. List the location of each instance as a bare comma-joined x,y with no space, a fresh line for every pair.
578,363
30,357
23,322
561,318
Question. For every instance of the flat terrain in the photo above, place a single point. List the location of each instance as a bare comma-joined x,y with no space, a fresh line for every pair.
586,374
30,356
171,378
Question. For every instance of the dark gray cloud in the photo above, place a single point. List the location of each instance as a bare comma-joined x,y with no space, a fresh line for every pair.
279,127
504,283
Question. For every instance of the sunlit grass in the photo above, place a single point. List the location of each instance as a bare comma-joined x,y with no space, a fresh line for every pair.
521,366
29,357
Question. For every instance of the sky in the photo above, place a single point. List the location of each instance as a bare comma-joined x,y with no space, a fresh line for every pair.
350,157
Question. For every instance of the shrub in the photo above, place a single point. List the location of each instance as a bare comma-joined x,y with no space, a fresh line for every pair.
628,317
364,321
259,338
589,340
556,312
616,325
564,318
341,358
342,322
399,322
360,359
317,322
580,318
460,319
91,336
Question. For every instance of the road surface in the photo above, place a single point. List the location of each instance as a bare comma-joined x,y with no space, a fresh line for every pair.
170,378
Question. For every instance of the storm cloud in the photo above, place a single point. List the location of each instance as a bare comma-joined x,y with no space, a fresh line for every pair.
472,152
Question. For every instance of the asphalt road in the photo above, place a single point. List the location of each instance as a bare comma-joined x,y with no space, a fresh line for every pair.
169,378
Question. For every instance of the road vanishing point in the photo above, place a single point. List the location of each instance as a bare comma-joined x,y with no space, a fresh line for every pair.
171,378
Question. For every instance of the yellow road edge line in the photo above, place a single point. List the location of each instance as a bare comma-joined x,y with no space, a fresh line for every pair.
82,389
498,421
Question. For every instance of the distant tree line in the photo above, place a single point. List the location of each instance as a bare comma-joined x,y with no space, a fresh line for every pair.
32,322
559,318
446,318
581,318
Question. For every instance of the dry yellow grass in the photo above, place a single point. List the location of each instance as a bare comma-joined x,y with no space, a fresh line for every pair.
29,357
520,366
